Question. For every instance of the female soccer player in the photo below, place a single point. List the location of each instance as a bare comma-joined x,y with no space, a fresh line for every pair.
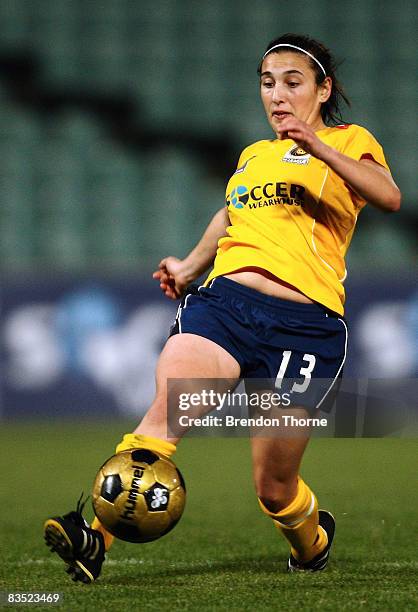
272,307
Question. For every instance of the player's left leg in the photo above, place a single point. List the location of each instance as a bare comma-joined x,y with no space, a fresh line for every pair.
288,500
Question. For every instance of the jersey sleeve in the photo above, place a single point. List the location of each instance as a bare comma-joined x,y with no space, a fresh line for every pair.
251,152
244,157
361,144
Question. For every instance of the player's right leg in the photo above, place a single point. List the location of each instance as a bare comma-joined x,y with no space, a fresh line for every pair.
288,500
185,357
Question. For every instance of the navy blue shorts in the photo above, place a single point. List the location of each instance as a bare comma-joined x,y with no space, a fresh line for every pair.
300,347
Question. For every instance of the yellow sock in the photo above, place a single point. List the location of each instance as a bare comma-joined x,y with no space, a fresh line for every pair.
298,522
131,440
108,538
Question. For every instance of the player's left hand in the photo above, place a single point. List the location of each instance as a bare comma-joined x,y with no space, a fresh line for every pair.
303,135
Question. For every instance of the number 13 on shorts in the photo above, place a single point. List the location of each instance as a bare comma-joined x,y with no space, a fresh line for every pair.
305,371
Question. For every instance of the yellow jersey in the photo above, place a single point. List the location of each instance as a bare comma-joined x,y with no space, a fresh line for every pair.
291,215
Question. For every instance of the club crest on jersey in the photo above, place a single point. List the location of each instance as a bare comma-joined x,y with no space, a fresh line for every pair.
296,155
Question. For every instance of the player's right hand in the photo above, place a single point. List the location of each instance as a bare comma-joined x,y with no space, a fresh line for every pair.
172,276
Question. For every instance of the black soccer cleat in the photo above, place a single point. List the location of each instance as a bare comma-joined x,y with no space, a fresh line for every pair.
79,546
318,563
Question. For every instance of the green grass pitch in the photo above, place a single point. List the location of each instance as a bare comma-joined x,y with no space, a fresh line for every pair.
224,554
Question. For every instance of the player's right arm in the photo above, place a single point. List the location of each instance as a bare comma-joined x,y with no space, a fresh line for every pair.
176,274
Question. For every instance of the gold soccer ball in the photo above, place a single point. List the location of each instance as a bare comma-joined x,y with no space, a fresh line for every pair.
138,495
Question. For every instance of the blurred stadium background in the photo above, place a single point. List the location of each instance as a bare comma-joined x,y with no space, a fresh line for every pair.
119,123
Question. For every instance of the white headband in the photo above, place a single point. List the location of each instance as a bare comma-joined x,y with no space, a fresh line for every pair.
299,49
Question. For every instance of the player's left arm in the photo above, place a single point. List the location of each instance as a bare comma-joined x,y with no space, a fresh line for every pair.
366,177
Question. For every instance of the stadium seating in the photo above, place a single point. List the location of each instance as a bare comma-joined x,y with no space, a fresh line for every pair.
77,196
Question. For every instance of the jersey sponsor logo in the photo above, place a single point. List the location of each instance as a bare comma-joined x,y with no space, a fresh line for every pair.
244,165
238,197
269,194
296,155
